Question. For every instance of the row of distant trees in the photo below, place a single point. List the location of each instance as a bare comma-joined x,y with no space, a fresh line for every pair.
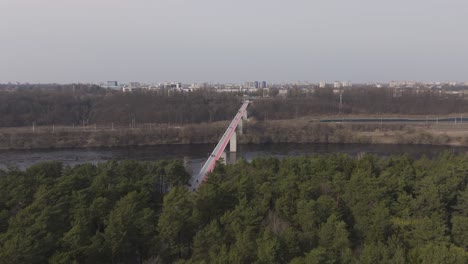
359,101
89,105
78,104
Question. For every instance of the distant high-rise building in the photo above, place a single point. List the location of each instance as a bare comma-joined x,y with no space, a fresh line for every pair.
393,84
346,84
127,88
112,83
171,85
322,84
410,84
337,84
134,84
264,84
256,84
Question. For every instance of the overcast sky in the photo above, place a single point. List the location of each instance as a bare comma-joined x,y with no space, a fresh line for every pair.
233,40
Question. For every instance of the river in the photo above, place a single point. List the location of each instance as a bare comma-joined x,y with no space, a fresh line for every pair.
195,155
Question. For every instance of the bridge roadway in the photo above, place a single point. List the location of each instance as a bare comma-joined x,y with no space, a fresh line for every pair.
219,149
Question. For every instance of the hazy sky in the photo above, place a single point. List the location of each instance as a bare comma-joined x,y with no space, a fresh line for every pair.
233,40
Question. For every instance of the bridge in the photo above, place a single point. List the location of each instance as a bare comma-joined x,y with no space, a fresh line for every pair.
229,136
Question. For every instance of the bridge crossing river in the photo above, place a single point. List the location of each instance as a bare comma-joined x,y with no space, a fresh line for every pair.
230,132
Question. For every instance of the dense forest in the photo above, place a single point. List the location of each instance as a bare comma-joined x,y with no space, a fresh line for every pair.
80,104
90,106
320,209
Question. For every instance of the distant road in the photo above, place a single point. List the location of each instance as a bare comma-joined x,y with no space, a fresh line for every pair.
395,120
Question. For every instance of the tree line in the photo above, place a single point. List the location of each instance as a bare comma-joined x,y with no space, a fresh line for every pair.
89,106
358,100
83,105
320,209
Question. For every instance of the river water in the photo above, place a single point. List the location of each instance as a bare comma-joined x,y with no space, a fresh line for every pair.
195,155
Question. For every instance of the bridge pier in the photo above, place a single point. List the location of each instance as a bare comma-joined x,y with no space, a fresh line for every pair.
240,129
240,126
233,142
224,157
187,164
232,158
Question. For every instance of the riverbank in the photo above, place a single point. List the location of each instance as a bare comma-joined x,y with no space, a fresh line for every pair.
304,130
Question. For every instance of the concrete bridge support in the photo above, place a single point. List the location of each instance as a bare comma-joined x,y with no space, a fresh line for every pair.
232,158
233,142
240,126
187,164
240,129
224,157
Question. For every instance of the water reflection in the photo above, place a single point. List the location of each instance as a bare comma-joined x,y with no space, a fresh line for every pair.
194,155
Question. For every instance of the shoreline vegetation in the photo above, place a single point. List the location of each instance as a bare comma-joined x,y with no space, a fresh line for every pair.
301,130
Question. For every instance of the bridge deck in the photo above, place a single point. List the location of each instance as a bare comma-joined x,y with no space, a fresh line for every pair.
216,154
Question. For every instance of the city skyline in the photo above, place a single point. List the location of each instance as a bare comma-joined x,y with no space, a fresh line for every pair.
233,41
